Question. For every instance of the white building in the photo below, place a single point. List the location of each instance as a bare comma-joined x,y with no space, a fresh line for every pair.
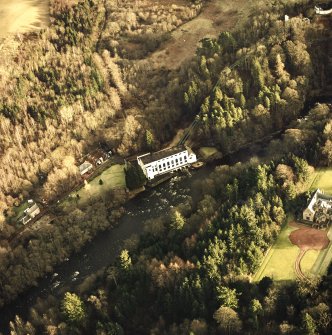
319,208
321,11
30,212
85,167
167,160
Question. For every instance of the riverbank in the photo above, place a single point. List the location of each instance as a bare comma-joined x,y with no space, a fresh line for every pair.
145,206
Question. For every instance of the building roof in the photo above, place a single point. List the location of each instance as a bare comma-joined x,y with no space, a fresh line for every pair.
319,200
85,166
155,156
32,209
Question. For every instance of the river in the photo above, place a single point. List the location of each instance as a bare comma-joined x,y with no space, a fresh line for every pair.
105,247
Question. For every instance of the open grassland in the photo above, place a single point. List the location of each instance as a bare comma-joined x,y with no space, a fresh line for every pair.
20,16
323,180
215,17
324,258
280,259
112,178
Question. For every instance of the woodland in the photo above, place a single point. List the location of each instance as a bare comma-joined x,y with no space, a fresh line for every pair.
82,82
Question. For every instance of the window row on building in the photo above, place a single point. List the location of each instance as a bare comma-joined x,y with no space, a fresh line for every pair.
164,161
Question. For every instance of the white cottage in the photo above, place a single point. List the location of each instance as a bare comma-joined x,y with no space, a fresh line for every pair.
30,212
167,160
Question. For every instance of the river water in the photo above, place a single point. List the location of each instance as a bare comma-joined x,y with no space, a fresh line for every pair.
106,246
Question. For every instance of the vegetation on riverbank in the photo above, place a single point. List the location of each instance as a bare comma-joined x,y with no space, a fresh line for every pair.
65,91
77,84
192,270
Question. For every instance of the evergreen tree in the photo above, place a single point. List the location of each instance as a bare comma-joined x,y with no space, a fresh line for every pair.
149,138
308,325
125,260
177,221
227,297
135,176
73,308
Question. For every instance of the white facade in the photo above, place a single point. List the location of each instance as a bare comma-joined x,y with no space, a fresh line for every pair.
321,11
161,162
32,211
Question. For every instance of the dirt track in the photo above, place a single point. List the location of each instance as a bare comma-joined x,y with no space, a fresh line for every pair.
297,265
306,239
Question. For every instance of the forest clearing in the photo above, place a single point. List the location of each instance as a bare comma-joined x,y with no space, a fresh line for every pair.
323,180
298,251
99,187
216,16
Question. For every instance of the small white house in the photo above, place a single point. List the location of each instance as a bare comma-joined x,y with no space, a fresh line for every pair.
30,212
33,211
85,167
164,161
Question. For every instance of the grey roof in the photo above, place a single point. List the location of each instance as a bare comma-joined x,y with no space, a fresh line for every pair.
155,156
32,209
84,166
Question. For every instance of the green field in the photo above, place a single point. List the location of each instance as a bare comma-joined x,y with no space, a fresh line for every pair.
324,258
323,180
112,178
18,212
280,259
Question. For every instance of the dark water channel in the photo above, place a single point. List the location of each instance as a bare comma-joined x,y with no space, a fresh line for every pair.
105,247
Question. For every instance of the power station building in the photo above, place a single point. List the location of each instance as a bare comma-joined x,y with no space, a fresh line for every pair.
167,160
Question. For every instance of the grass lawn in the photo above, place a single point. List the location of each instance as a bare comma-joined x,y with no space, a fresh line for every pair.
279,261
323,180
112,178
207,152
324,258
18,211
308,261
